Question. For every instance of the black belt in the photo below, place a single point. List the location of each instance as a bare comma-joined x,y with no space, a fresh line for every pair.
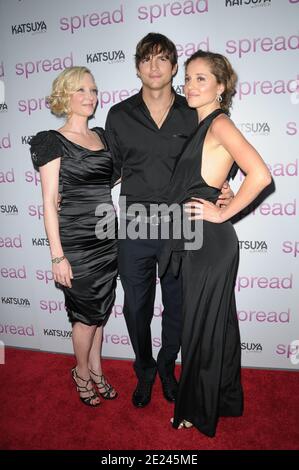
154,219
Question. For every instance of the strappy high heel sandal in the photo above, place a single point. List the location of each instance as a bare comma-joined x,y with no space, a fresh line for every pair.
183,424
104,388
83,389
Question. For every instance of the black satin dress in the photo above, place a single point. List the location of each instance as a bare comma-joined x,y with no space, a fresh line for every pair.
87,223
210,384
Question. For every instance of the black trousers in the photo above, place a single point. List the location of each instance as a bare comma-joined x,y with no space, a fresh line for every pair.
138,270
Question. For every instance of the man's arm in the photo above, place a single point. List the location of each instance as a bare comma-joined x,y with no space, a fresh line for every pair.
114,147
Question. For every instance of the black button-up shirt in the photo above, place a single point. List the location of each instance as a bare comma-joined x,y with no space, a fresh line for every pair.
144,155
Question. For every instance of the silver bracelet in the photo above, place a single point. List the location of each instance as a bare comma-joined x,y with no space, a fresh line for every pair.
57,260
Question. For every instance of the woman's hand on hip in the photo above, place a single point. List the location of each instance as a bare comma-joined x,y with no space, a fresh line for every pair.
200,209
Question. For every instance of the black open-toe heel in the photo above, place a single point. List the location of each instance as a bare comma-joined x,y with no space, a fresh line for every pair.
83,389
183,424
104,388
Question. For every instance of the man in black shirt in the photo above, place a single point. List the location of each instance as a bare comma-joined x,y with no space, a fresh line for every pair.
146,133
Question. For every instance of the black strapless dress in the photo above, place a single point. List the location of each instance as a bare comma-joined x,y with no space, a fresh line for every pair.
87,223
210,384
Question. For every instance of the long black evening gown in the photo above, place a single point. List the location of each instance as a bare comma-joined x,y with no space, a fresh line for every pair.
85,189
210,384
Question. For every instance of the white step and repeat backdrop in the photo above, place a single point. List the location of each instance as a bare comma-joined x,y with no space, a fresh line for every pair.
260,37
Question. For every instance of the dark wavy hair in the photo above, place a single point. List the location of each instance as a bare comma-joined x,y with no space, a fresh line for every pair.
221,68
155,43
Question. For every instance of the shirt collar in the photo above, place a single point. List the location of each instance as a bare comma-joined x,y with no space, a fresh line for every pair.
178,99
138,99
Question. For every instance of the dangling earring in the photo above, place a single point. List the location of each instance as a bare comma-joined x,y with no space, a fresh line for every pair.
219,98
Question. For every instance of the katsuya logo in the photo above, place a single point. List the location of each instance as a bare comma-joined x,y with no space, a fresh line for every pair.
255,128
250,3
9,209
253,246
19,301
30,27
112,57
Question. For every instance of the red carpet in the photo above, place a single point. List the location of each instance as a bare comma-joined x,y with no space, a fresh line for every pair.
40,409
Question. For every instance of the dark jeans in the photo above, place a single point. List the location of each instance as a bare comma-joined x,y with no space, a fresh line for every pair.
137,267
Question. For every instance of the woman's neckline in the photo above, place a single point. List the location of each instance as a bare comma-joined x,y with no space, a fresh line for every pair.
85,148
217,110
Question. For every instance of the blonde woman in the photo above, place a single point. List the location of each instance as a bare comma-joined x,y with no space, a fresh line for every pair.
74,161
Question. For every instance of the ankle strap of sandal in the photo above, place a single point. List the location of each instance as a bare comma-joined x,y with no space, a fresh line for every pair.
76,376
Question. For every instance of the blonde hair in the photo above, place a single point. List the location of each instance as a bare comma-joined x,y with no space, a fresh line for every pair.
63,86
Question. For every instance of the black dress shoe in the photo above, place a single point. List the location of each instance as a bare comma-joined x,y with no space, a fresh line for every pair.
142,394
169,387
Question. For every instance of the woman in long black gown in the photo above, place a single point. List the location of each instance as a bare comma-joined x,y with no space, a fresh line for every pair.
75,163
210,384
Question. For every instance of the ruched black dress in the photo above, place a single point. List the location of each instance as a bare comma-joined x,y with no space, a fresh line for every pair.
210,383
87,223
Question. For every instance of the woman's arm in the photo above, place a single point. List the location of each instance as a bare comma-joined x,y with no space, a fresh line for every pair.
248,159
49,173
